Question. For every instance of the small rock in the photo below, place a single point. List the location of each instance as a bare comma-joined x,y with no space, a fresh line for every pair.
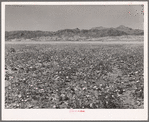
138,103
19,95
136,72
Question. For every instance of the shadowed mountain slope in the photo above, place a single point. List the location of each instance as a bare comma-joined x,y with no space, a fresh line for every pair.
66,33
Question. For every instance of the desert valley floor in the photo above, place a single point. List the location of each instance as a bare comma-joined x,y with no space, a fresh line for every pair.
74,75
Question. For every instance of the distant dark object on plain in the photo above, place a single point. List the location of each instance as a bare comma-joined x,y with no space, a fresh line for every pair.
12,50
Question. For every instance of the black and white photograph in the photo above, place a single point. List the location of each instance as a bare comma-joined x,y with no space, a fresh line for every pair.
74,60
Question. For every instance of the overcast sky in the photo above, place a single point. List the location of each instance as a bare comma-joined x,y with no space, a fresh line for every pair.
55,17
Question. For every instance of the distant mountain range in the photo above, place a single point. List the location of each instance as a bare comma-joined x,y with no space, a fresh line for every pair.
74,33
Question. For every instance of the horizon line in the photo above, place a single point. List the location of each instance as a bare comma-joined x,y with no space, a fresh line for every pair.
73,29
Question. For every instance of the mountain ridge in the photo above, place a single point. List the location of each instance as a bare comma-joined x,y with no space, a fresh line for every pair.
95,32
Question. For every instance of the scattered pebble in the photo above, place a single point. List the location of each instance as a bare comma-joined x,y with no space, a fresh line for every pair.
94,87
84,88
136,72
138,103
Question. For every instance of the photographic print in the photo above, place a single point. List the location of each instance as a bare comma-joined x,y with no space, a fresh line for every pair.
75,58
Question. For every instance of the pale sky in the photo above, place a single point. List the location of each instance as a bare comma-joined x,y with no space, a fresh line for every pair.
56,17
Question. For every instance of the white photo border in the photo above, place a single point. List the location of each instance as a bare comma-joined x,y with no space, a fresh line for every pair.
65,114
